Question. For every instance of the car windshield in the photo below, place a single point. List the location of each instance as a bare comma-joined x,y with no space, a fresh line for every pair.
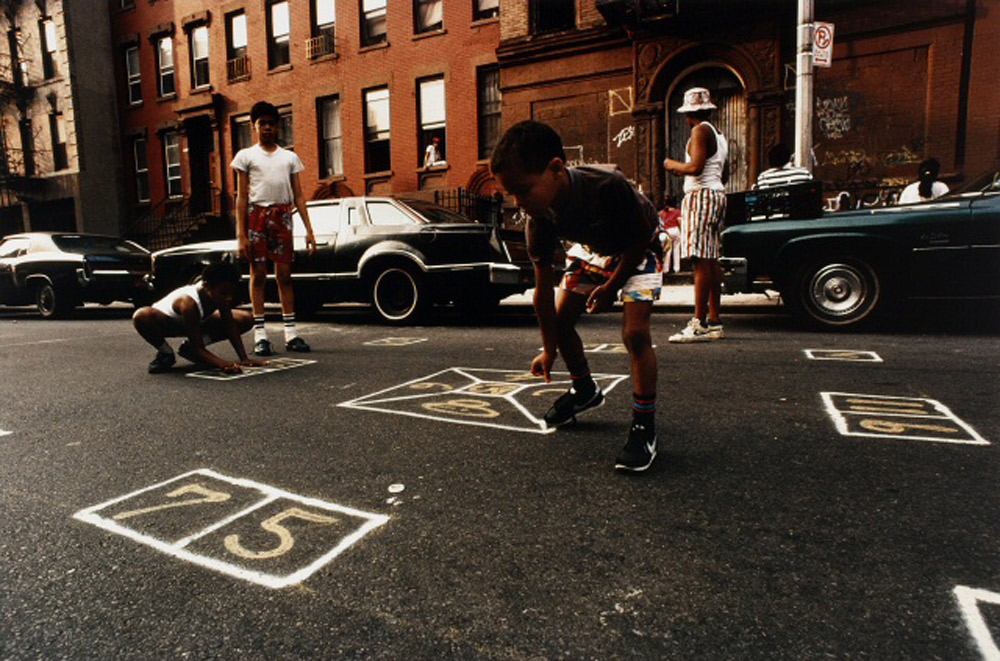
84,245
988,182
434,213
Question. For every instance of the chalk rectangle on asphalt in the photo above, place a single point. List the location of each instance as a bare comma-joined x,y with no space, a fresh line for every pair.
849,355
274,365
235,526
904,418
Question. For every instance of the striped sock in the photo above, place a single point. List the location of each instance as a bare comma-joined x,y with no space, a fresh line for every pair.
644,409
290,332
259,332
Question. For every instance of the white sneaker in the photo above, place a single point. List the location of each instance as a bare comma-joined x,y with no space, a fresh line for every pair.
715,331
693,332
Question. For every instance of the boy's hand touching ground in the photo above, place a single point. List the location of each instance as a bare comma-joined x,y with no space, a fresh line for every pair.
542,365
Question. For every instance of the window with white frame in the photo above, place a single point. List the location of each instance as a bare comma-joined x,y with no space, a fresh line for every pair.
279,31
199,56
431,118
483,9
428,15
488,108
331,155
373,22
165,65
172,160
377,153
141,170
133,74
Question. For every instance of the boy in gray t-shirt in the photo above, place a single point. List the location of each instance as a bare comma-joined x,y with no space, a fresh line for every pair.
614,227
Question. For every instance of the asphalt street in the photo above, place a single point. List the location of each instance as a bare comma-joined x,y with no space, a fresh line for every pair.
395,497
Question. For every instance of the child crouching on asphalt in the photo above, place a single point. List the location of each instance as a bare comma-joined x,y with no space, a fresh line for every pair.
202,313
614,227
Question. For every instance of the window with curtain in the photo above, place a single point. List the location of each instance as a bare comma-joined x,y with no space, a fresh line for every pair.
199,56
325,17
377,154
428,15
431,119
483,9
331,154
373,22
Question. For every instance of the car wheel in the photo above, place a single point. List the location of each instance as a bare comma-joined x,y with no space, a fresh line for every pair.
53,304
399,295
838,292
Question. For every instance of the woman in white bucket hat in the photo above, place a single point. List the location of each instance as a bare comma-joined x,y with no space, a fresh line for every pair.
705,171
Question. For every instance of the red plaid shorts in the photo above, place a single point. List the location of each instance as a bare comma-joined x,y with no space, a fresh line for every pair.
270,233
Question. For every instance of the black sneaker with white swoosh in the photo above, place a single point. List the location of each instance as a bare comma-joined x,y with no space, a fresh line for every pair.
640,450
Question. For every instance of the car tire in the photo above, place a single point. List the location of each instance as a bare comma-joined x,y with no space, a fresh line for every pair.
838,292
53,303
398,294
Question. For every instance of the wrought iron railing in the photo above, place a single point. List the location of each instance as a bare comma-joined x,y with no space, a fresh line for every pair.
480,208
172,220
238,69
322,44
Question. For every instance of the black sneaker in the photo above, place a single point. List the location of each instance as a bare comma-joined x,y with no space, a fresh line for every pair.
297,344
263,348
570,403
640,450
162,362
186,352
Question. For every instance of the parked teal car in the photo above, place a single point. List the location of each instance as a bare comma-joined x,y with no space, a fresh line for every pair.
847,269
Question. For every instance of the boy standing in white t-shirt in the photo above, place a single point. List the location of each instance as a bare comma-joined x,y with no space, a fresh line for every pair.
267,189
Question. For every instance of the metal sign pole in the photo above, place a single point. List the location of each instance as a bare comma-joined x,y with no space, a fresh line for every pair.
804,87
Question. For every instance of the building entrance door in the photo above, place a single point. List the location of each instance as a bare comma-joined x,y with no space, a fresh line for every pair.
730,119
200,147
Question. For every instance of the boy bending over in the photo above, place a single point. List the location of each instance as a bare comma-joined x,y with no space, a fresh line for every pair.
202,313
614,227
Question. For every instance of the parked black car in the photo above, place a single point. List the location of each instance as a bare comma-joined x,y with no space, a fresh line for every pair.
57,271
844,269
400,255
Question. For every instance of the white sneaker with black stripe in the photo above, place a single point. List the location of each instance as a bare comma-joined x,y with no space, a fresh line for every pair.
695,331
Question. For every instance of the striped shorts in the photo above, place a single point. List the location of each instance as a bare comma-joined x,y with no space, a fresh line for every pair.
702,214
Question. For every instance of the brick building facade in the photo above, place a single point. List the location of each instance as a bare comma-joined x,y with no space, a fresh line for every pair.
363,86
58,132
909,80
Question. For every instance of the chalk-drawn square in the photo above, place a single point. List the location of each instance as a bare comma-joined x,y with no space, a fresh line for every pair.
502,399
276,539
904,418
395,341
273,365
850,355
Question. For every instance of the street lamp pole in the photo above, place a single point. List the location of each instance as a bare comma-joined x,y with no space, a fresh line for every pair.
804,86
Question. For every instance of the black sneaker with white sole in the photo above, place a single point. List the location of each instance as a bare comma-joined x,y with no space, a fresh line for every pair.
162,362
570,403
640,450
263,348
297,344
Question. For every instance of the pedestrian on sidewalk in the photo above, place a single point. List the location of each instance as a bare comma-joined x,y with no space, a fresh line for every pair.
670,235
267,189
614,227
705,171
781,172
927,187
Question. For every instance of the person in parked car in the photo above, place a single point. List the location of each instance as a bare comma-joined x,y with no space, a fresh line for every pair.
781,172
927,187
267,189
202,314
705,171
617,250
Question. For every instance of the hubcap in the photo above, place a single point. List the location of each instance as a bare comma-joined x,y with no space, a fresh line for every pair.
396,294
839,290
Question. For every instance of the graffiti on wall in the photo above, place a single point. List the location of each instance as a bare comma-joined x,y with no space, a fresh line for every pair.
620,101
833,116
624,135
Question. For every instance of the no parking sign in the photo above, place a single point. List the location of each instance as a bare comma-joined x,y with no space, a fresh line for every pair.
823,45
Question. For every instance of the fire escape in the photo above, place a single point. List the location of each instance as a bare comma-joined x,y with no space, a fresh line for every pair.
17,180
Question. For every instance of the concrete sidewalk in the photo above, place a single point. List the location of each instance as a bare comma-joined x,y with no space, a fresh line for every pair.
681,297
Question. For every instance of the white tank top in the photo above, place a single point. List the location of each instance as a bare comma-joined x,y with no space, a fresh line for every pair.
711,175
166,304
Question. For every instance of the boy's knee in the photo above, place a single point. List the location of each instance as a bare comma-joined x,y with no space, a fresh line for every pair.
636,338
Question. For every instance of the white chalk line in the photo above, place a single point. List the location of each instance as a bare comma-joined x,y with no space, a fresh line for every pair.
967,600
839,419
89,515
872,356
28,344
4,432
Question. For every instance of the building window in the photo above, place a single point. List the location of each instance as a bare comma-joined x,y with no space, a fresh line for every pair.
57,130
483,9
377,155
47,31
373,22
324,14
199,56
552,15
165,65
428,15
331,152
242,135
172,158
286,128
141,170
278,30
431,118
134,75
237,62
488,108
27,146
